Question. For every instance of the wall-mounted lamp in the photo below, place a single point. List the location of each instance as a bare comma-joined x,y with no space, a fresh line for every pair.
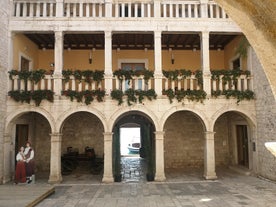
90,57
172,55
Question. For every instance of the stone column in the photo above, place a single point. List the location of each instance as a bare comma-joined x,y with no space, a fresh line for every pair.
205,62
157,8
58,62
108,61
108,8
108,174
159,150
7,158
59,8
209,156
55,160
204,8
158,62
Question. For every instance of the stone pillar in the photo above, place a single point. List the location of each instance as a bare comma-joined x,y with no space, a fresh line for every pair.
204,8
209,156
108,61
10,56
158,63
157,8
59,8
108,8
205,62
108,174
159,150
55,160
7,159
58,62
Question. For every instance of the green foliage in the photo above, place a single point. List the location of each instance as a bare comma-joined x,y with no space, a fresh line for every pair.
27,96
87,96
129,74
228,75
239,95
34,76
87,75
242,47
177,74
117,95
179,95
133,95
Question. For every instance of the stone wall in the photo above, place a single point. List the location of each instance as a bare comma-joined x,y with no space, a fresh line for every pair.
266,119
184,141
3,74
83,129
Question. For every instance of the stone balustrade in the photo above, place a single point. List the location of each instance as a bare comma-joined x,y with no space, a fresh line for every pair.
242,83
117,9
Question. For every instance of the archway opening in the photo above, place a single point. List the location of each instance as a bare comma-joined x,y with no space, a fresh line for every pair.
234,144
133,148
34,128
82,148
184,146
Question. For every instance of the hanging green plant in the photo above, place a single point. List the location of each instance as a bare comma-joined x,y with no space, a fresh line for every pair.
242,47
171,75
66,74
117,95
37,75
147,74
169,93
27,96
78,75
40,95
87,96
98,76
124,74
183,73
239,95
228,75
193,95
88,75
13,73
199,77
130,93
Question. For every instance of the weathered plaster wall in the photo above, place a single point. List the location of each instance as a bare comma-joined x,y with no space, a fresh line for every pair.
3,75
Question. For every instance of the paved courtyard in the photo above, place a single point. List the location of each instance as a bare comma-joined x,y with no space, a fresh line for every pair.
230,190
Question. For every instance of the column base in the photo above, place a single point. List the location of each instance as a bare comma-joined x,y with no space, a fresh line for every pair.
108,179
55,179
159,178
210,176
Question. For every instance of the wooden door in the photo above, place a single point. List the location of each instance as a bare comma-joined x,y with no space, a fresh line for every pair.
21,136
242,145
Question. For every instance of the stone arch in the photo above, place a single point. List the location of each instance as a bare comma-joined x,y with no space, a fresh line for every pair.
149,114
200,114
19,112
71,111
249,117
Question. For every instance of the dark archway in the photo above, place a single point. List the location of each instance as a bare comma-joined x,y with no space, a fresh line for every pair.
82,148
147,148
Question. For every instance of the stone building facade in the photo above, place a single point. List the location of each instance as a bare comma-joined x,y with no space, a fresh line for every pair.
183,134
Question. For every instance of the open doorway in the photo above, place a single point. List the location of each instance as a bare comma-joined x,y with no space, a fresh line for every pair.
130,141
133,149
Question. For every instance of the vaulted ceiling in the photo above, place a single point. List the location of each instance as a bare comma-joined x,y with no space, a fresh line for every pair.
130,41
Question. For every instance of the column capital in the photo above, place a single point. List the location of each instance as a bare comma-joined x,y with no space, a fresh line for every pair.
159,135
108,34
108,136
157,34
59,34
205,33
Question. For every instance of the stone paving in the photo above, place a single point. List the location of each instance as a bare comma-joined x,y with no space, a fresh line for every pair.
182,188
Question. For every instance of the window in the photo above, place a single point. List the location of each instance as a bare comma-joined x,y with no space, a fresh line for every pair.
24,64
134,67
236,64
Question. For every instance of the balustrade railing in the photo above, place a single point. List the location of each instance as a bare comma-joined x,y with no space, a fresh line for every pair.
117,9
136,83
242,83
188,83
220,83
19,84
74,84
